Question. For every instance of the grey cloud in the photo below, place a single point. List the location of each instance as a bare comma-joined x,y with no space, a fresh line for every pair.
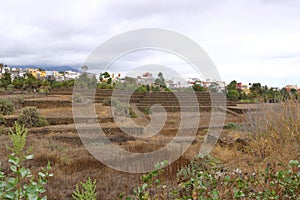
233,32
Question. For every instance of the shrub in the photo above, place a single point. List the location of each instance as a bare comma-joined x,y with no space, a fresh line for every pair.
18,101
10,88
88,191
20,183
108,101
77,98
232,126
142,88
132,113
44,90
104,86
122,109
233,95
31,118
6,107
168,90
147,110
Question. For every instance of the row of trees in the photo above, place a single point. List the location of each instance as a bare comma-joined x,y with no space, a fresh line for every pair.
260,93
28,82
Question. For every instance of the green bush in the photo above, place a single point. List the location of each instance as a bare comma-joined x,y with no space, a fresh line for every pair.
104,86
31,118
147,110
10,88
6,107
142,88
18,101
132,113
168,90
87,191
43,90
108,101
232,126
20,183
77,98
233,95
122,109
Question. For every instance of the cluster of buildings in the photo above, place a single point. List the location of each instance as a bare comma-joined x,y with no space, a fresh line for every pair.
148,79
39,73
144,79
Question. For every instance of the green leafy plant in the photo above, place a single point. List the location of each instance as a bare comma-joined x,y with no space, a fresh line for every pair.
207,178
31,118
151,182
87,191
20,183
232,126
6,107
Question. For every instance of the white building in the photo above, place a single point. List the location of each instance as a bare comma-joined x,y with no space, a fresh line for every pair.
145,79
71,75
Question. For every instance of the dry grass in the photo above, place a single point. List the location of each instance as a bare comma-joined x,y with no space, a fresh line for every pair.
275,131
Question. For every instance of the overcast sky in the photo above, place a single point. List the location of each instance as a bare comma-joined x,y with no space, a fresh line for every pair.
248,40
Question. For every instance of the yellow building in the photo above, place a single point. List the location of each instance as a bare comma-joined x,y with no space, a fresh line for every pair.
37,73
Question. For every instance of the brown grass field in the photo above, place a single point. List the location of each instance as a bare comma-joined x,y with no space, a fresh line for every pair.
274,135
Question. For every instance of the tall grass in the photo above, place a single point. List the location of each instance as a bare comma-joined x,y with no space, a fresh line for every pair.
274,130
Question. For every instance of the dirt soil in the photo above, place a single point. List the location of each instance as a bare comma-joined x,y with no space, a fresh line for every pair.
72,163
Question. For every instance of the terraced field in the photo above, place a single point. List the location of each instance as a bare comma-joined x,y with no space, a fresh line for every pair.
59,142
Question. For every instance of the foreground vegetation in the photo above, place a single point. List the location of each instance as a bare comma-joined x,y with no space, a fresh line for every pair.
273,143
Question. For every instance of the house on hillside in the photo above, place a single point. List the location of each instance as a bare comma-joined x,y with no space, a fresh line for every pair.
37,73
145,79
71,75
290,87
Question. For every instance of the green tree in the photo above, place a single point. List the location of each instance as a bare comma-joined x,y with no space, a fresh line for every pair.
257,88
160,81
197,86
19,82
5,80
31,82
284,94
294,93
233,95
232,85
103,76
